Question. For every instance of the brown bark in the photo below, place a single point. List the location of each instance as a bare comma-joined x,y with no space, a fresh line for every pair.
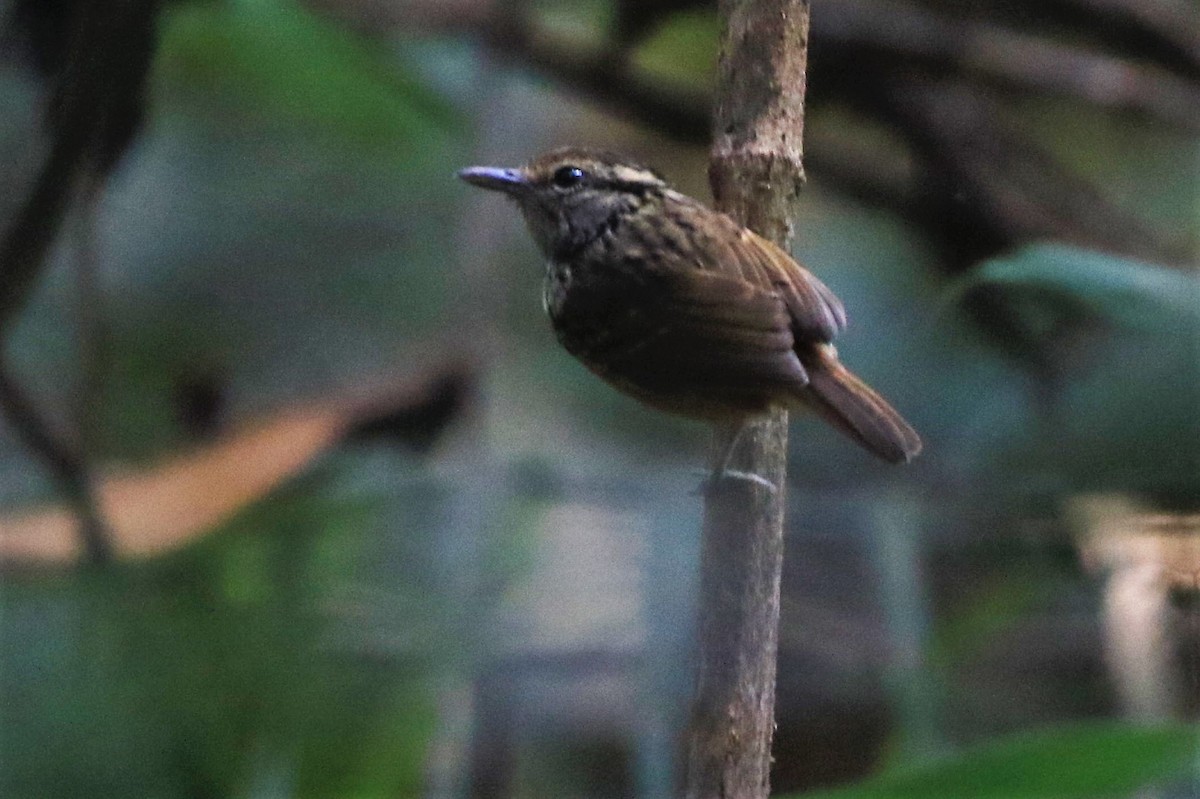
755,171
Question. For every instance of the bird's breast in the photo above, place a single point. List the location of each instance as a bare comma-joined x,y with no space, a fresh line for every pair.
588,303
555,289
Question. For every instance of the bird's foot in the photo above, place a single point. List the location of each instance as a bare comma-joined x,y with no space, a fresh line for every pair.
718,480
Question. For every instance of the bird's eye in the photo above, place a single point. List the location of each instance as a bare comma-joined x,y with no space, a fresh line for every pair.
567,176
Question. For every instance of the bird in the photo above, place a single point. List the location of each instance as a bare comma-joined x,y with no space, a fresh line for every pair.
682,308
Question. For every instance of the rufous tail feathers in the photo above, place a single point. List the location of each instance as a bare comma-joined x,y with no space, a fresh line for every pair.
855,409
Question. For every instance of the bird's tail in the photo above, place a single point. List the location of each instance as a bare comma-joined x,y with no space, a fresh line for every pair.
855,409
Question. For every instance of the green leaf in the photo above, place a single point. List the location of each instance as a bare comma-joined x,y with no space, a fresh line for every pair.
1057,280
1083,761
1124,338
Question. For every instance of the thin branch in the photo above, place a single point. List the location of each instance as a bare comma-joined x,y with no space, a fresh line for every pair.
183,496
23,252
985,179
68,469
1173,23
27,241
678,113
1077,210
97,57
755,171
850,32
89,322
893,28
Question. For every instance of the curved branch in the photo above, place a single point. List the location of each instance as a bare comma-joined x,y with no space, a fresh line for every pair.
1174,24
97,56
898,29
68,469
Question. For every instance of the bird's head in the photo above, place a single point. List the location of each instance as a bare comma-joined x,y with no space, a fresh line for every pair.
569,196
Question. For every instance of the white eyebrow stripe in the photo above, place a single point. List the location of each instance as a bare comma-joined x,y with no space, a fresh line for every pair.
628,174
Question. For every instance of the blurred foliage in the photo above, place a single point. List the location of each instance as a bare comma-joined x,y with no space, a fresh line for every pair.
991,609
266,60
289,223
682,50
234,668
1148,170
262,232
1085,761
1053,287
934,367
580,20
252,235
1125,338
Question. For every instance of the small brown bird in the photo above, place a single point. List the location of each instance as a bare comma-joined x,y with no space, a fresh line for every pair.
681,307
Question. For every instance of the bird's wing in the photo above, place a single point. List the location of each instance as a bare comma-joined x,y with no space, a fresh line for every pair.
816,312
687,332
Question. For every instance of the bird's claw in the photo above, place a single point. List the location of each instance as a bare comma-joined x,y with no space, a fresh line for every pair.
714,482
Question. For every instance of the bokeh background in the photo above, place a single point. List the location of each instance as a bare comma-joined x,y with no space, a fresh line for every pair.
376,535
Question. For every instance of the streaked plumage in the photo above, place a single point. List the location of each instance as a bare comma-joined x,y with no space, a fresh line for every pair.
679,306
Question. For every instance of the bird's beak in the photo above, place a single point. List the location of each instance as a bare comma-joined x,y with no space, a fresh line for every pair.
509,181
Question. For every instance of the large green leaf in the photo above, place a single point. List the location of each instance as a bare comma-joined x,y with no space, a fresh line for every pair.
1119,408
1085,761
1092,285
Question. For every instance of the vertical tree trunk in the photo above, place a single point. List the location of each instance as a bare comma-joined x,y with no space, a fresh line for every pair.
755,172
